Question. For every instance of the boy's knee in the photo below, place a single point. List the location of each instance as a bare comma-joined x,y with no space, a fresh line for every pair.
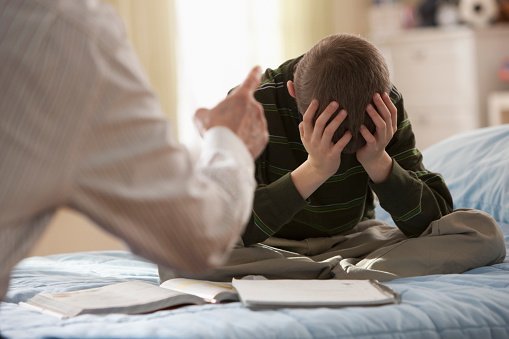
497,246
484,230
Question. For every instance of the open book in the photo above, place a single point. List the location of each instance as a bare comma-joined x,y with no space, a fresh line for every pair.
313,293
132,297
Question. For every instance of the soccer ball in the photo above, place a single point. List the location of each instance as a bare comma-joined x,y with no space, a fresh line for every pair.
478,13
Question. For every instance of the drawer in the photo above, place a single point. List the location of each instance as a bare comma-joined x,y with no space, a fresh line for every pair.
441,72
435,123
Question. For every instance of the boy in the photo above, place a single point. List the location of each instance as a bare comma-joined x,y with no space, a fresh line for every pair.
337,139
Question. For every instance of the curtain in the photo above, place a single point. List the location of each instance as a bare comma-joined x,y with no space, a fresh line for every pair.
152,30
218,43
304,22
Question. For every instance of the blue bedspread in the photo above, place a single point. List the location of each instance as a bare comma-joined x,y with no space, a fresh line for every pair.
470,305
474,304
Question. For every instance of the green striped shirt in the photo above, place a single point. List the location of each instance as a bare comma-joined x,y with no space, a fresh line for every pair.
412,195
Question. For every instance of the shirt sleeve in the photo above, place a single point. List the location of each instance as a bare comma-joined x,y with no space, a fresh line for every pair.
135,181
274,206
412,195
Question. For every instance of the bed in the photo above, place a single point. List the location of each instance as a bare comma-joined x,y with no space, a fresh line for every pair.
474,304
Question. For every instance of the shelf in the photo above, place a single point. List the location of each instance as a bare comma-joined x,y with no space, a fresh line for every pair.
498,108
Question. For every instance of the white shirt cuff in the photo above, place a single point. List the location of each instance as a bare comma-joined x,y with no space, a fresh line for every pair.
224,140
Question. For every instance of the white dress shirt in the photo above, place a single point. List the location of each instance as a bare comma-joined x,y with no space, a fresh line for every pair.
80,127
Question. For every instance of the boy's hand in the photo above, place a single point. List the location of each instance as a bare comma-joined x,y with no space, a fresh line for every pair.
372,156
323,155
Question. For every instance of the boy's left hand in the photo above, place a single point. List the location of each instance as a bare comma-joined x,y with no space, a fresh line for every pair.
373,156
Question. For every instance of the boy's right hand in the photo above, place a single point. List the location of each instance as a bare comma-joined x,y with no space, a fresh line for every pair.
241,113
323,155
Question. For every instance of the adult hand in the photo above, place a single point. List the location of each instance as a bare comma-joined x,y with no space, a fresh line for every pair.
373,156
241,113
324,157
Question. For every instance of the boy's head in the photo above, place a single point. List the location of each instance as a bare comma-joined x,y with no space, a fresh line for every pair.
343,68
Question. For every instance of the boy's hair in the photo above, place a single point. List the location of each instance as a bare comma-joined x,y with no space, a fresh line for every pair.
347,69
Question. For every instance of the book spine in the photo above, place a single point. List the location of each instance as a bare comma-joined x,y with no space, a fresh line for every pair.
43,310
386,290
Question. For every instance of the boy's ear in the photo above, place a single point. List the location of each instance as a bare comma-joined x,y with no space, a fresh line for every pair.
291,88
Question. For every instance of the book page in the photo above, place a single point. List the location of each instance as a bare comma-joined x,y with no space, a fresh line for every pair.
312,292
211,291
126,297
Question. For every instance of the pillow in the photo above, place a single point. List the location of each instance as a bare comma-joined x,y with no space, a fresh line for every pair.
475,167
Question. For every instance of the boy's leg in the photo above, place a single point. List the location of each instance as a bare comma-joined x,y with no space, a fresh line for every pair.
314,258
457,242
462,240
261,259
346,250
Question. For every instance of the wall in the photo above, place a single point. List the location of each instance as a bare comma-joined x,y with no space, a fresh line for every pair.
304,22
70,232
151,28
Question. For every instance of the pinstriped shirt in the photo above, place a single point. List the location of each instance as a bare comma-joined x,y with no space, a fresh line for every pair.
81,128
412,195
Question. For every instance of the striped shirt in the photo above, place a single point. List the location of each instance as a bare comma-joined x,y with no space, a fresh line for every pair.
412,195
81,128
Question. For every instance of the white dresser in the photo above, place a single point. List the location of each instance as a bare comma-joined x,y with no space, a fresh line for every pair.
446,76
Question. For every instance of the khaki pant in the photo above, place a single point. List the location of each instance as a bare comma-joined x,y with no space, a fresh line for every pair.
457,242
